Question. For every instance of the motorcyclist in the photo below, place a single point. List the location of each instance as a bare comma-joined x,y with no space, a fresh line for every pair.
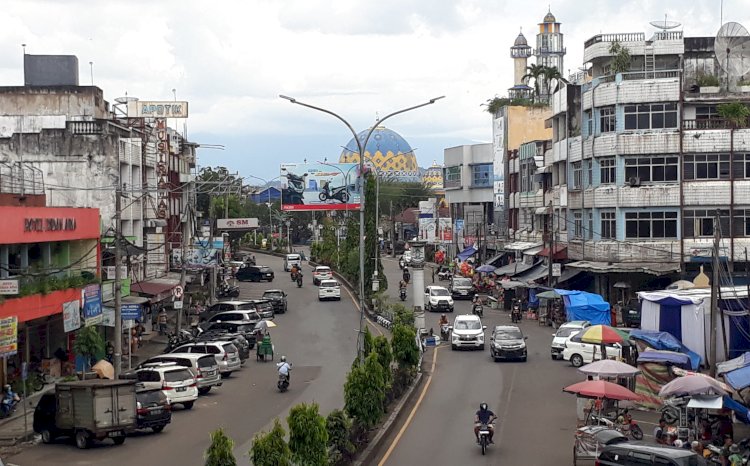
294,271
484,417
443,320
284,368
407,275
9,398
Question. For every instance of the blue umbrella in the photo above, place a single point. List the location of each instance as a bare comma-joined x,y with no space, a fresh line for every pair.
486,268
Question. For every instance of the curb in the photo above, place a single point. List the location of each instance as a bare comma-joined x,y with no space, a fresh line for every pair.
370,453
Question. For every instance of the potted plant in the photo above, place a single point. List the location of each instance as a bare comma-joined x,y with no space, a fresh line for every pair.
744,85
90,345
736,113
708,84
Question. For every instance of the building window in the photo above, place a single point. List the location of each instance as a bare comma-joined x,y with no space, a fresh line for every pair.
481,175
589,173
697,223
589,233
650,225
452,177
706,167
609,224
577,224
651,116
588,123
741,166
563,220
577,175
607,170
741,222
527,176
706,112
651,169
607,119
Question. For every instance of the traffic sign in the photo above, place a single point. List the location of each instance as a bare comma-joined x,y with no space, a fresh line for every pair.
177,291
177,305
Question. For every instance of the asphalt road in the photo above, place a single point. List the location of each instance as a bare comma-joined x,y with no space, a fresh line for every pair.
537,420
318,338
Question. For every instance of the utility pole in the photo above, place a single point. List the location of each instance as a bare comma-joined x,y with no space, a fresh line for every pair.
393,231
118,280
714,296
183,269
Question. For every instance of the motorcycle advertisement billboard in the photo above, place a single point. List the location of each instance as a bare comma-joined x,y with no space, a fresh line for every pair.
319,186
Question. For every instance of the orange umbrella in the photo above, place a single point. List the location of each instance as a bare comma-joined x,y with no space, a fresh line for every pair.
602,389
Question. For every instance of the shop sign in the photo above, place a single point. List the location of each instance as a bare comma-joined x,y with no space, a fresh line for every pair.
8,336
556,270
48,224
130,311
8,287
92,305
108,317
110,269
157,109
71,316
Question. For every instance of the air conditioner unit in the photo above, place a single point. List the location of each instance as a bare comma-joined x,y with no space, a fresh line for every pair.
634,181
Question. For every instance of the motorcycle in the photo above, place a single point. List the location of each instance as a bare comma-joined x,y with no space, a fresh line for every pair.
283,383
294,275
299,280
407,276
340,194
515,314
478,310
294,193
484,436
630,428
9,406
402,294
176,339
228,292
445,331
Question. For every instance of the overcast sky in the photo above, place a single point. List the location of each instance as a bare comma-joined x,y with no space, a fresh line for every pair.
231,59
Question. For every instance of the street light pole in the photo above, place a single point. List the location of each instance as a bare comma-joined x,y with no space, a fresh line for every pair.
361,145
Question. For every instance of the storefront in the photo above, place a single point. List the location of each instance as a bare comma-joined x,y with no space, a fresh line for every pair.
48,257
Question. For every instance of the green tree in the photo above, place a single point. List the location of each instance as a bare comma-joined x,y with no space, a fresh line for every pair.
382,348
402,314
621,60
368,343
404,345
736,113
535,72
552,76
219,453
364,392
90,345
308,437
270,448
339,426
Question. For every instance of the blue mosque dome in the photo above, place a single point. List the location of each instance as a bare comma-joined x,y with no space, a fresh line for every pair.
386,151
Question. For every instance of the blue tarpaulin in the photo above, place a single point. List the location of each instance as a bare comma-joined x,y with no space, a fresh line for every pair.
581,305
662,357
665,341
740,411
466,253
738,378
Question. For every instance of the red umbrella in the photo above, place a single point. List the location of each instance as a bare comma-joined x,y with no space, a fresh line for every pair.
602,389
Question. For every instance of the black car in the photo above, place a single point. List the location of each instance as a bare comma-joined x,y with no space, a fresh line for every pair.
628,453
246,330
508,342
264,307
153,410
462,288
278,300
255,273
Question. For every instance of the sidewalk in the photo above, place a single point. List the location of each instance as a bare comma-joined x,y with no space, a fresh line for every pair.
13,430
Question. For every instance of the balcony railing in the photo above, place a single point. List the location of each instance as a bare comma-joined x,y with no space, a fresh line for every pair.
21,179
85,127
655,74
712,123
619,37
668,35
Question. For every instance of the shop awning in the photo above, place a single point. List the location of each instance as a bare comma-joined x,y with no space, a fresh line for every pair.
545,169
567,274
495,259
513,269
156,289
561,252
466,253
521,246
532,251
537,272
541,210
653,268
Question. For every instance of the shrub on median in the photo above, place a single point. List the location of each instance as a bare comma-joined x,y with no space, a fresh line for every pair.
308,437
219,453
270,448
340,447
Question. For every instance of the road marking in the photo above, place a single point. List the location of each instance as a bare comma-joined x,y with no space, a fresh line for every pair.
394,444
356,304
507,402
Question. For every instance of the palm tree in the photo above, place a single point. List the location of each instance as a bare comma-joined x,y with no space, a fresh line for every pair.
551,76
534,72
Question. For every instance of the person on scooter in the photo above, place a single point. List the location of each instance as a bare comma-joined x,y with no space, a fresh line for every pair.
484,417
407,275
294,271
9,399
443,320
284,368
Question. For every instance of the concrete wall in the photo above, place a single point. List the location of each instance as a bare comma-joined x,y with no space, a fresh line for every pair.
74,102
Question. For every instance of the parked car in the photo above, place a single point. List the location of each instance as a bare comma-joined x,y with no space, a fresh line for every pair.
630,453
225,354
321,272
290,260
153,410
264,308
278,300
438,298
580,353
87,410
204,367
255,273
467,332
177,382
246,330
461,288
243,347
329,289
249,317
563,333
508,342
224,306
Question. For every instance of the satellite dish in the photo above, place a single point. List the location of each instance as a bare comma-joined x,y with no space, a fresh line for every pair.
124,100
732,49
665,25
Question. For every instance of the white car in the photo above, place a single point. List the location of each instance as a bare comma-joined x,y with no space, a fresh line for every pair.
329,289
438,298
467,332
321,272
579,353
176,382
565,331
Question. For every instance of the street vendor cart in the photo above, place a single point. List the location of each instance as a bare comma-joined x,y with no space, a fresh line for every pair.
590,440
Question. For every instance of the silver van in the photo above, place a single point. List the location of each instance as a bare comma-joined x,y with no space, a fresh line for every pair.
290,260
204,367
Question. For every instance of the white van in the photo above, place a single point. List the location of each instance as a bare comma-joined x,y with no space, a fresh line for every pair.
579,353
290,260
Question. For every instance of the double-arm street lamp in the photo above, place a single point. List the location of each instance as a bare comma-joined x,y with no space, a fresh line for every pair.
361,146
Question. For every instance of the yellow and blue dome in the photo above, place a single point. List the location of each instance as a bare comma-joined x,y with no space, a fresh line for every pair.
387,152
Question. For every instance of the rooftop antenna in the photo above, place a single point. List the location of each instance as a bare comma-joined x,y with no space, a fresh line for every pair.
91,66
732,50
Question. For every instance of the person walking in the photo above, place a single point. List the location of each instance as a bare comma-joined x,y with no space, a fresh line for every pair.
162,320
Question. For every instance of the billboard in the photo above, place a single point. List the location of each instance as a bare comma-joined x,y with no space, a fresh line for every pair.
157,109
236,223
319,186
443,235
498,162
92,305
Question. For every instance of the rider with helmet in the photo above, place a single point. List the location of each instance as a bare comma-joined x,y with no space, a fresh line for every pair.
484,417
284,368
443,320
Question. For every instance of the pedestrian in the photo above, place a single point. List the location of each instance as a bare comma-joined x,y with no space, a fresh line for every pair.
660,432
433,274
162,319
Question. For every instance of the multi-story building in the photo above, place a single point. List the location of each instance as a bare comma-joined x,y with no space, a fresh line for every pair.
549,52
652,164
